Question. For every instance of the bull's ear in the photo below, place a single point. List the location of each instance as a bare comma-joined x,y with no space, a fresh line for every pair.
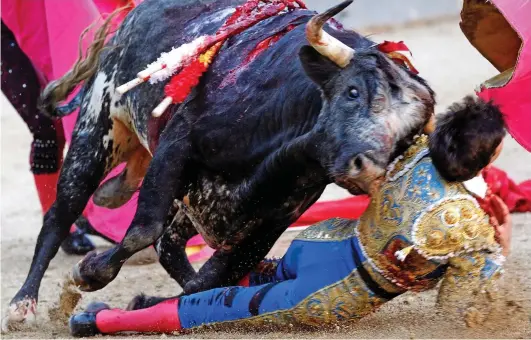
319,68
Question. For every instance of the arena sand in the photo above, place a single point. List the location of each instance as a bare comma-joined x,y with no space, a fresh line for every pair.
444,57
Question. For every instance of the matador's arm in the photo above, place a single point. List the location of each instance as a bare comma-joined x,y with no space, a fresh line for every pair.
458,232
469,285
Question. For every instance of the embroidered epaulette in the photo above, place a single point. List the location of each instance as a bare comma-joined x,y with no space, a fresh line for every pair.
450,227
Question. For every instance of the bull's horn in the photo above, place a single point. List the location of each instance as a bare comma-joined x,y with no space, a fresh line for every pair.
326,44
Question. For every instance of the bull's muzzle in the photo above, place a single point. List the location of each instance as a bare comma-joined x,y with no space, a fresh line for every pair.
364,169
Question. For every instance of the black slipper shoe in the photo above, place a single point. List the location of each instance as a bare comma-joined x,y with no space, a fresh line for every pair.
77,243
84,324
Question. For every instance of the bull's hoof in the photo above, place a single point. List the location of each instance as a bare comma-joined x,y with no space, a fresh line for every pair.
114,193
84,324
87,277
19,315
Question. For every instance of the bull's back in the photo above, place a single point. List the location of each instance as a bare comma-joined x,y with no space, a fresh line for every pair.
233,95
154,27
157,26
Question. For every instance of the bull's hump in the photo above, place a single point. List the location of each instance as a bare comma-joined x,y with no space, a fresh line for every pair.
153,28
179,21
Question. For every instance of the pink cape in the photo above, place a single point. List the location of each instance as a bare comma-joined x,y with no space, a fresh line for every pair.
492,32
48,32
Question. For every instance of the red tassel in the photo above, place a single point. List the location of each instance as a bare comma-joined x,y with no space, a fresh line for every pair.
391,46
181,84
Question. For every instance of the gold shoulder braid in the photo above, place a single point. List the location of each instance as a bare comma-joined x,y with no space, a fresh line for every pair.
452,226
404,162
335,229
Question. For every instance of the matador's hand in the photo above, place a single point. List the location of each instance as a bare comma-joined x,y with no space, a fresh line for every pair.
502,221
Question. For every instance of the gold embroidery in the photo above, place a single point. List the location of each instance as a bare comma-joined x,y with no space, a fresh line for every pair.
466,226
408,158
344,300
450,216
392,212
336,229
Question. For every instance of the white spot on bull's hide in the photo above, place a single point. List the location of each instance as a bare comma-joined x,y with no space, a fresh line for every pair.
120,110
128,118
116,111
107,138
96,98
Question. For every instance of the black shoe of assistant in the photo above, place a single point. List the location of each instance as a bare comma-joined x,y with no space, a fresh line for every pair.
77,243
84,324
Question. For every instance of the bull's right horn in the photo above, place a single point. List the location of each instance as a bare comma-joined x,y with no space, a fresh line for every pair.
326,44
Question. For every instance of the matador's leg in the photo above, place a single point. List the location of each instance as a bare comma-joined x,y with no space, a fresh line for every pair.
311,266
267,271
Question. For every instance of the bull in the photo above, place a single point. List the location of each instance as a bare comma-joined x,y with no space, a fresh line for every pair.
252,147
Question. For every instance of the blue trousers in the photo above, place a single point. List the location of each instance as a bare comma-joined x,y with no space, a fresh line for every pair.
306,280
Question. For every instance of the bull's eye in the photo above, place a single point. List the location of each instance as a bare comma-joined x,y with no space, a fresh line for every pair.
353,93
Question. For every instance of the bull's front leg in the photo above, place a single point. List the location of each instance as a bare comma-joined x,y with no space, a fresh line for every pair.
233,261
165,180
171,248
244,251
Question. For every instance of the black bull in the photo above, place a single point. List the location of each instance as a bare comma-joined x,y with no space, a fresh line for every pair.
252,147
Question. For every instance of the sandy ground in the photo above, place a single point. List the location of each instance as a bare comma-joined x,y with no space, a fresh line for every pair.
444,57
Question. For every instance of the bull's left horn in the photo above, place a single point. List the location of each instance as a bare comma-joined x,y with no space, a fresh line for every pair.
326,44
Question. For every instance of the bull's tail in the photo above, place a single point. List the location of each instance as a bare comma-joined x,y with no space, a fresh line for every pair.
71,106
84,68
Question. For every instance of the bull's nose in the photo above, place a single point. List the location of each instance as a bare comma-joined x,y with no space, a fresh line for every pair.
362,164
356,165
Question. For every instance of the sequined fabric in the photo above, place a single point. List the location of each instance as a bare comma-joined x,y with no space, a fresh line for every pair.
21,87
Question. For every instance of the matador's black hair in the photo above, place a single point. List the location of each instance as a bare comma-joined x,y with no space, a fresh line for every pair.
465,138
